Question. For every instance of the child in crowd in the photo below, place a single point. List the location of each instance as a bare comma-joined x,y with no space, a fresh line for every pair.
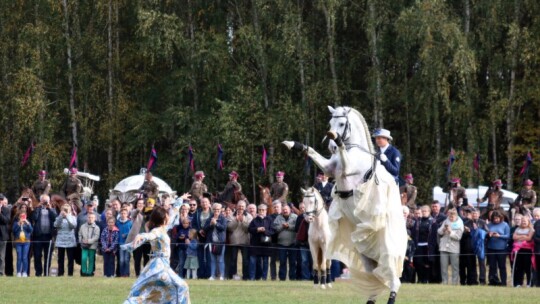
192,262
22,231
124,226
89,237
182,234
109,246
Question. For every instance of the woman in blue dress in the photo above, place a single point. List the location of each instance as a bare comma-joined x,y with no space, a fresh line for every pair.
157,283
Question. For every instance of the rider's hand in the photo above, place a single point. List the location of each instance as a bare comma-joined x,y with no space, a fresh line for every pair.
383,157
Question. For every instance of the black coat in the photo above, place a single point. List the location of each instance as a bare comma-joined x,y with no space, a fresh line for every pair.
4,223
36,221
258,248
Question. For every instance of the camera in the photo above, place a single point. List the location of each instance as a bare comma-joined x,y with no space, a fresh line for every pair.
25,199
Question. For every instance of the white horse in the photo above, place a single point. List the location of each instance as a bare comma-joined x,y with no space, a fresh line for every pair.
367,227
318,236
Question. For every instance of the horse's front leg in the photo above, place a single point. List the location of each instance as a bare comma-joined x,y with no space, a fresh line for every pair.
326,165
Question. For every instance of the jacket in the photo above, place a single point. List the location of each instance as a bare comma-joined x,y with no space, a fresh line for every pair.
239,234
450,242
109,240
285,236
4,222
65,237
123,228
393,163
35,220
26,229
220,230
499,243
90,233
257,247
536,238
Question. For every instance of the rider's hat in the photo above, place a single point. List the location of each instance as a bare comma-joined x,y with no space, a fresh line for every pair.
382,133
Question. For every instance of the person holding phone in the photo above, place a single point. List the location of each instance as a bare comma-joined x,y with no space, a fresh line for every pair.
450,234
22,232
497,246
42,221
65,224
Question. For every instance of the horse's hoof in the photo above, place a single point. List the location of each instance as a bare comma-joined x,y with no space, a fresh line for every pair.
288,144
331,135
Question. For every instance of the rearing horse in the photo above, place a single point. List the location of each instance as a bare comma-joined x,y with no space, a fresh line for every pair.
367,226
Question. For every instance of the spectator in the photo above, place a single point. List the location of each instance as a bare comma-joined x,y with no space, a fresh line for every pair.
536,239
124,225
65,225
4,233
283,226
422,235
22,232
43,218
274,253
138,226
199,219
408,268
182,234
252,210
109,246
239,239
438,217
522,252
260,231
192,262
301,228
215,228
193,207
228,214
105,215
498,235
467,259
89,208
450,234
478,233
89,237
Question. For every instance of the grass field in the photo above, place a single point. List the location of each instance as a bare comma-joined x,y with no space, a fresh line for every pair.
101,290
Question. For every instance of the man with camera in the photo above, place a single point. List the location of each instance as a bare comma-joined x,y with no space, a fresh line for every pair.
43,218
4,234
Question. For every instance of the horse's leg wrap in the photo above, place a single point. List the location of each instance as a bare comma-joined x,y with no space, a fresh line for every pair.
298,146
329,278
323,277
392,298
315,277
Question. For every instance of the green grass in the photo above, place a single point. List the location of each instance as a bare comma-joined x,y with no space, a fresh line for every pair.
101,290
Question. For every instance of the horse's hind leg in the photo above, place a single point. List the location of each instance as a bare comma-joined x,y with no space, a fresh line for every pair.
329,278
315,277
323,278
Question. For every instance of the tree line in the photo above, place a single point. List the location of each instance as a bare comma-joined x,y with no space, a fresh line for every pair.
116,77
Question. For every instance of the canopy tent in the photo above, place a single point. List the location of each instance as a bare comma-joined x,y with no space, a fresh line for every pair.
126,190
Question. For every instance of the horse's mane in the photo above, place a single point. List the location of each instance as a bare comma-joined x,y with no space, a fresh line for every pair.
366,128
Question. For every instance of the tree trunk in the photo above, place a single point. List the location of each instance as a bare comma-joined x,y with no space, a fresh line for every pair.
510,113
192,58
377,98
261,56
110,152
330,30
253,188
70,75
494,148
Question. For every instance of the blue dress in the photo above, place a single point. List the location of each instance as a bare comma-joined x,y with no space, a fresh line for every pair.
157,283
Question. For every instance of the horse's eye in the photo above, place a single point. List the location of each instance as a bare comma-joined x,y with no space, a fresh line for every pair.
341,124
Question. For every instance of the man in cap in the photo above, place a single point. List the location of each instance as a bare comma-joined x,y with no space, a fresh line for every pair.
4,233
149,187
231,188
494,195
279,190
198,187
73,188
409,192
458,194
325,188
527,196
41,185
389,155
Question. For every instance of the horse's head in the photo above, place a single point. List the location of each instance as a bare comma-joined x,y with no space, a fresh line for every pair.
313,203
351,126
264,193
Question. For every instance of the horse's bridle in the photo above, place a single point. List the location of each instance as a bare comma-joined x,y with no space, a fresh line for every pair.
316,212
347,130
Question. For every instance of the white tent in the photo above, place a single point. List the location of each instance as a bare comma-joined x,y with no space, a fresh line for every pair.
126,190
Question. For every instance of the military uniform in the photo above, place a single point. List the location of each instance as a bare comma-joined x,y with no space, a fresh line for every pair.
527,197
457,194
228,193
279,191
41,187
197,189
73,189
150,188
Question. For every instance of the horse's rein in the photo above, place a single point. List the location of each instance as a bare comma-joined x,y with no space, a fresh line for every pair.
317,211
